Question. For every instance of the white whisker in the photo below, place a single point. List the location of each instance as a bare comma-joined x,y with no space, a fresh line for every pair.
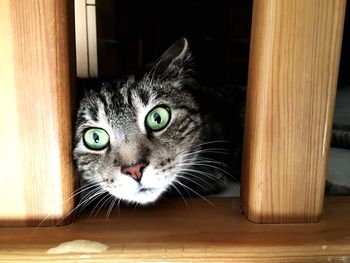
193,181
195,192
118,205
206,175
203,161
74,194
97,206
111,206
212,166
183,198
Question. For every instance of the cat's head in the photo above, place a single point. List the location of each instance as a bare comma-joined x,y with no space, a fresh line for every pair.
135,138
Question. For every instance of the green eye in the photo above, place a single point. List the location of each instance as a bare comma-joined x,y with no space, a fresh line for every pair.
96,139
158,118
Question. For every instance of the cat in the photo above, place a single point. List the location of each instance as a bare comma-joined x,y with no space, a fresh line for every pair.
138,139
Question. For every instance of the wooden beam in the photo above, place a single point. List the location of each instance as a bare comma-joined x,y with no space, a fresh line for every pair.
86,38
81,39
293,71
36,176
170,231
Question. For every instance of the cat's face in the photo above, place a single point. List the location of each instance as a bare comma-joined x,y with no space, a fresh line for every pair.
135,138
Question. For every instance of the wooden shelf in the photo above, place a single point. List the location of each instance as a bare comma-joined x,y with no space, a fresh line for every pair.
172,231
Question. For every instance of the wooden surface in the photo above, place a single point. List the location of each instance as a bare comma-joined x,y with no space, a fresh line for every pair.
172,232
81,38
36,174
86,38
293,71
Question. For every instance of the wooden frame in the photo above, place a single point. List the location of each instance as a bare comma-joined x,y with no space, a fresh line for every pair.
293,73
86,38
36,176
174,232
169,231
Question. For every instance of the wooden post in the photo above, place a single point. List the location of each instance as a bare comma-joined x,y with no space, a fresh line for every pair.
36,174
293,71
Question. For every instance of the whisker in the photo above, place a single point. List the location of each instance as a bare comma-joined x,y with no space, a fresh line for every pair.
212,142
206,162
74,194
214,167
66,216
206,175
114,200
203,161
90,197
195,192
203,151
97,206
183,198
118,206
82,189
188,193
106,200
193,181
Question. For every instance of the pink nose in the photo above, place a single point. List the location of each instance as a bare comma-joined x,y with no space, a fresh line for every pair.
135,171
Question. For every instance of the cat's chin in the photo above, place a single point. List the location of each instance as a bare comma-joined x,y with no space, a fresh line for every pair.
142,196
147,195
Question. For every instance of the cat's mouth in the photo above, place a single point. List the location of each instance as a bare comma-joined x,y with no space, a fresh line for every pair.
143,189
146,195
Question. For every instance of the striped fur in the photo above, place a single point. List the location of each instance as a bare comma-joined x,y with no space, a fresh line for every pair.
177,157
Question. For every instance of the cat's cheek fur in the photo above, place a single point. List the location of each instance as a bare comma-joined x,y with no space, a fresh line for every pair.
153,178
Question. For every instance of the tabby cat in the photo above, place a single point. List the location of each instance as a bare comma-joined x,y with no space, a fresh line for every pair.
138,139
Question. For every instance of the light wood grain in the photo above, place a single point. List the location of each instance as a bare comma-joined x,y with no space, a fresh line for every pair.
86,38
81,39
92,40
293,71
173,232
36,174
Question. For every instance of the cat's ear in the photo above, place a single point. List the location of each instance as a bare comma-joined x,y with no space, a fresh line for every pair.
175,61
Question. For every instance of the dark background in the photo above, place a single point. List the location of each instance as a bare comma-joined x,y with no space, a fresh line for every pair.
132,33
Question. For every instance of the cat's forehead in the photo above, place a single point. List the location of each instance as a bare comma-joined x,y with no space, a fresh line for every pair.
123,103
132,95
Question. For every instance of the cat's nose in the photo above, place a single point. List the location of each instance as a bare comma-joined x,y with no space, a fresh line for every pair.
135,170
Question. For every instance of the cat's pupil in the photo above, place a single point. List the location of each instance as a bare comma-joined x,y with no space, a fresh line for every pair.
157,118
95,137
